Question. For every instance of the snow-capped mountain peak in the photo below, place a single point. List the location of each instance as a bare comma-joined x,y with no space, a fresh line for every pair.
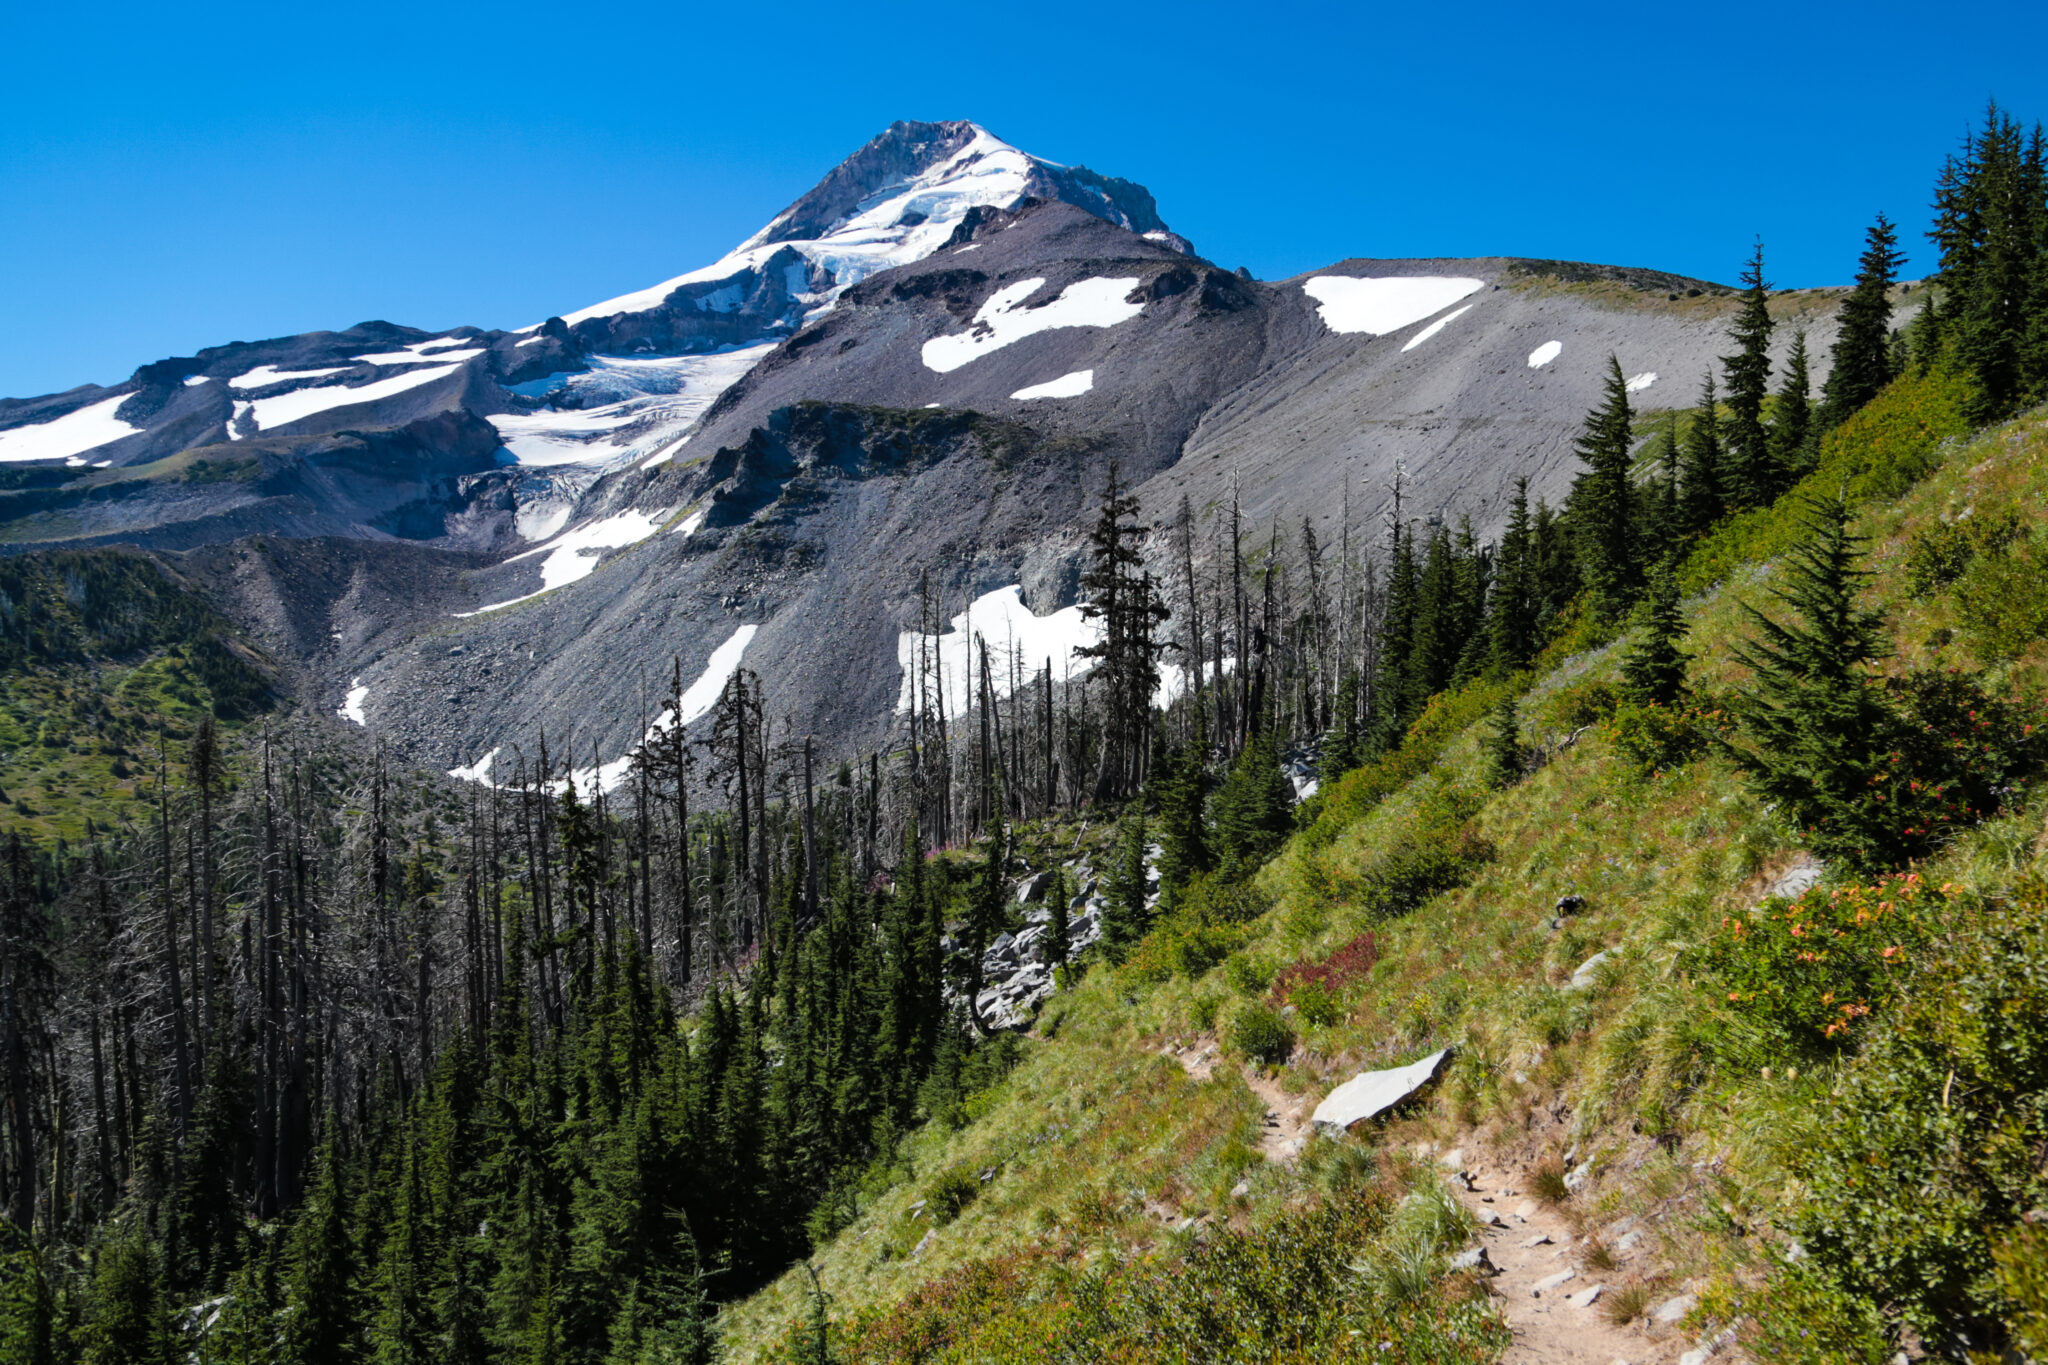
895,201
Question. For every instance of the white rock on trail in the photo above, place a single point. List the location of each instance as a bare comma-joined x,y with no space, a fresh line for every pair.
1372,1093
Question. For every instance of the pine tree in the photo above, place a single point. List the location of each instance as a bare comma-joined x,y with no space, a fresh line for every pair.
127,1321
1183,830
1124,599
1862,359
320,1275
1654,666
1602,507
1991,225
1058,931
1753,476
1816,726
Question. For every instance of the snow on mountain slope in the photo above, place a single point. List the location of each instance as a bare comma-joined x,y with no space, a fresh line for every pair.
68,436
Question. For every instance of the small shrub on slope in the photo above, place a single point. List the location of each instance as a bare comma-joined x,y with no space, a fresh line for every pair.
1931,1156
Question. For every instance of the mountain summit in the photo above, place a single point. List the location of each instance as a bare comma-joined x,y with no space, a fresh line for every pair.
892,203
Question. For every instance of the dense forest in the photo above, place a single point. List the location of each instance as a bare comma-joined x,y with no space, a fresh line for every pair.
309,1058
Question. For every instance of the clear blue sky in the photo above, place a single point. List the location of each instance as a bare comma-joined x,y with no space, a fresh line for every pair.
173,177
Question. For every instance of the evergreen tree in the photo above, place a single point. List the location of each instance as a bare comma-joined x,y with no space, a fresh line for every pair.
1702,496
1815,721
1058,930
1183,830
1753,476
1991,225
1253,810
1122,596
25,1302
1862,359
320,1260
127,1321
1602,507
1792,430
1503,749
1125,916
1654,666
1511,610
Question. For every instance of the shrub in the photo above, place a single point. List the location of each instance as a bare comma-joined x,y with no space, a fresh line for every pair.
1930,1157
1803,974
1657,738
1259,1033
1314,986
949,1194
1246,975
2002,601
1316,1005
1941,554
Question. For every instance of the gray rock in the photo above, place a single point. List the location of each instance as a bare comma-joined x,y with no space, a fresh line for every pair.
922,1243
1372,1093
1587,974
1240,1189
1550,1282
1673,1309
1579,1174
1540,1239
1475,1259
1586,1298
1795,881
1033,888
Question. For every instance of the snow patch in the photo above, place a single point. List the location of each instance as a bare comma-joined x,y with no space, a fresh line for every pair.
352,704
1066,386
412,355
573,556
72,434
1435,327
1004,319
193,381
479,771
660,398
299,404
697,701
1380,305
1638,382
1544,354
264,375
687,527
530,341
1000,619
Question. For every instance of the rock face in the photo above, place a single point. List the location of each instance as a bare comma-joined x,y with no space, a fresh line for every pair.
1372,1093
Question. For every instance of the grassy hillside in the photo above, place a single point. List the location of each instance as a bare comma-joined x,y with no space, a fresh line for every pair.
1780,1151
102,653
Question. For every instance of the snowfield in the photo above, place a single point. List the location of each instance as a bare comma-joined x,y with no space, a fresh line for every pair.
573,556
1544,354
1435,327
1003,319
263,376
1066,386
1377,306
299,404
697,701
72,434
1638,382
665,395
1000,619
352,704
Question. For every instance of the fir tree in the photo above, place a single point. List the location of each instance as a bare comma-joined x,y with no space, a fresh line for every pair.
1862,359
320,1275
1654,666
1058,931
1511,610
1702,496
127,1321
1792,431
1253,810
1753,476
1125,916
1183,830
1816,724
1504,746
1603,507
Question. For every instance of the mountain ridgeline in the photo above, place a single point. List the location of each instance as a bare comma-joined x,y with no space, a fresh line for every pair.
843,806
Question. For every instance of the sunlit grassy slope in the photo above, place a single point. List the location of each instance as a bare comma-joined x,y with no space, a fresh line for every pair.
1082,1171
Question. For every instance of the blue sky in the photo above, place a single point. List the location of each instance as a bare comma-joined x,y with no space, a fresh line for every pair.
174,177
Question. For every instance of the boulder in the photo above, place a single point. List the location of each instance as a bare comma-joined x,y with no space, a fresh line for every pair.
1795,881
1550,1282
1032,888
1673,1310
1372,1093
1587,975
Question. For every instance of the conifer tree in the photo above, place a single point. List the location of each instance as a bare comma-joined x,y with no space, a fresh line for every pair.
1253,810
1058,930
127,1321
320,1275
1503,746
1991,225
1125,916
1183,830
1753,476
1654,666
1511,614
1816,725
1702,495
1792,431
1862,358
1602,507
